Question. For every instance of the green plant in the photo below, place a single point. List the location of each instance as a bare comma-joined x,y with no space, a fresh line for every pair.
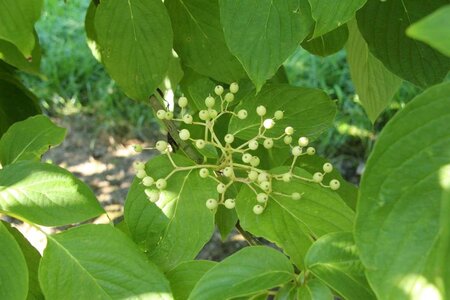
238,154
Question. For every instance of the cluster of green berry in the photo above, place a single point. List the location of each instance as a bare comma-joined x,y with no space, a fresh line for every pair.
228,165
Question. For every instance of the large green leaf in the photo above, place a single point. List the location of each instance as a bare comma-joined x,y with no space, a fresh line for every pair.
333,259
330,14
13,268
29,139
17,20
262,34
91,34
374,84
383,25
294,224
45,194
246,272
309,111
185,276
135,39
16,102
12,55
199,40
175,228
399,204
329,43
32,258
434,30
444,254
315,290
98,262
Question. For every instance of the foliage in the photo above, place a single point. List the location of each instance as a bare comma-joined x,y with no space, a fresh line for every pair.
239,152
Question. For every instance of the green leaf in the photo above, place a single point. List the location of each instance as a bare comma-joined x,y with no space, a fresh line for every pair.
398,215
287,292
250,270
294,224
135,39
166,228
16,102
29,139
315,290
12,55
32,258
98,262
226,219
45,194
199,40
444,254
91,34
374,84
333,259
383,25
309,111
17,20
330,14
329,43
185,276
433,30
13,268
262,34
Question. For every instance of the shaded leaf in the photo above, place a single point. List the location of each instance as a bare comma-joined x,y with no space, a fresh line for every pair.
329,43
314,290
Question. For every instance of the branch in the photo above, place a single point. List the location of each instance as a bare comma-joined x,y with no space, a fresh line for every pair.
247,236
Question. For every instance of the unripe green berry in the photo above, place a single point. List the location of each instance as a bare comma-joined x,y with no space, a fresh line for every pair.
287,177
229,97
242,114
200,144
218,90
152,195
327,167
212,113
246,157
253,175
203,115
187,119
258,209
211,204
137,148
230,203
335,184
289,130
254,162
161,184
279,115
147,181
228,172
161,146
268,123
137,165
296,151
141,174
221,188
262,198
161,114
229,138
182,102
318,177
253,144
234,87
311,151
261,110
268,143
204,172
265,186
263,177
303,141
209,102
287,139
184,134
169,115
296,196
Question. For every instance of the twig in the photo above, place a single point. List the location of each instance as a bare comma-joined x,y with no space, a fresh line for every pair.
247,236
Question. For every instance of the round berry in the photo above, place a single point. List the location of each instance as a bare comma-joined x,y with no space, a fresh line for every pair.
221,188
161,184
211,204
182,102
296,151
318,177
262,198
253,144
141,174
229,138
152,195
234,87
161,146
203,115
268,123
258,209
230,203
335,184
137,148
268,143
204,172
279,115
265,185
212,113
261,110
287,177
229,97
187,119
287,139
327,167
253,175
242,114
209,102
254,162
184,134
161,114
303,141
246,157
200,144
311,151
147,181
296,196
218,90
263,177
169,115
228,172
289,130
137,165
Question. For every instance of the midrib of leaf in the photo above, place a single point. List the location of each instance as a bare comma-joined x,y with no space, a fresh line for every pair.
244,282
132,20
416,44
193,19
28,145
